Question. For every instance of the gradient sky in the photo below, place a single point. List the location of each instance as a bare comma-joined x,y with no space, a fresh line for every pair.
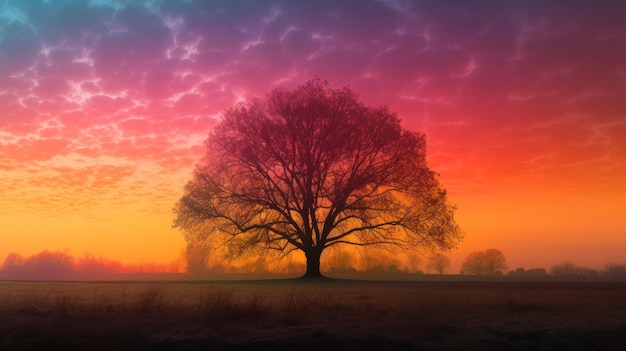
104,106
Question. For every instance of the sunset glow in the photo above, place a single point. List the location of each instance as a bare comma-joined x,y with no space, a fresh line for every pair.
105,104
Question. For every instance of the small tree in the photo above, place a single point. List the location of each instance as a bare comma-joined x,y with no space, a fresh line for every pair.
12,265
567,268
414,262
489,262
438,263
92,266
495,262
377,260
48,265
338,259
197,259
13,262
312,168
614,270
473,264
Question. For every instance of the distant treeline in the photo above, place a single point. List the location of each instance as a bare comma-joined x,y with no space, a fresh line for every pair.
492,263
61,265
569,269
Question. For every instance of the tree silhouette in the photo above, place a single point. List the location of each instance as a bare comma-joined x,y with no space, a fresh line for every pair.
414,261
495,262
337,259
438,263
12,262
50,265
567,268
488,262
312,168
377,261
197,259
12,265
90,266
614,270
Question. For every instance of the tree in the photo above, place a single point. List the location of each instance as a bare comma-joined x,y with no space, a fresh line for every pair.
12,262
414,261
567,268
312,168
438,263
197,259
473,264
90,266
489,262
48,265
495,262
337,259
377,260
614,270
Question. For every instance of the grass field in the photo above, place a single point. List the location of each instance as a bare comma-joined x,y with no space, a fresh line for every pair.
333,314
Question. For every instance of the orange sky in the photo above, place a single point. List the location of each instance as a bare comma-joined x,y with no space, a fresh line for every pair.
104,107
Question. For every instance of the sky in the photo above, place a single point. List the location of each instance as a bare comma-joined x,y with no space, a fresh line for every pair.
104,106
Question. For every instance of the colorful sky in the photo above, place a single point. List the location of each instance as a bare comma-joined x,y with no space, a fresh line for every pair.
104,106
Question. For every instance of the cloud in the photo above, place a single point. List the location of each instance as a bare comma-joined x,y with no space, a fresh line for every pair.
505,91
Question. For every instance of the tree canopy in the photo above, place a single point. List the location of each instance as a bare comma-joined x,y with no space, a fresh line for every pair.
310,168
489,262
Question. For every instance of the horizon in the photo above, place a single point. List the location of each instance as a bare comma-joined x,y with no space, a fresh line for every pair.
63,266
106,105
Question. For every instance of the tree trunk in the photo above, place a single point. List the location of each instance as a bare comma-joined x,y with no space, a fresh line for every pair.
313,263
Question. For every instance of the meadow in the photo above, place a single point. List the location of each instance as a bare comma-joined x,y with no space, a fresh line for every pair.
311,315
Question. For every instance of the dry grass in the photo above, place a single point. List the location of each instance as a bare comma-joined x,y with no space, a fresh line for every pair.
332,314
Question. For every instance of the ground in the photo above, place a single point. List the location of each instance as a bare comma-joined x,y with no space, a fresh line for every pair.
322,314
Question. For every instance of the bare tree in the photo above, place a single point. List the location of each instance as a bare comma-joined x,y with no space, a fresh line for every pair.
197,259
615,270
374,259
312,168
90,266
287,265
488,262
256,264
13,262
48,265
495,262
338,259
567,268
473,264
438,263
414,261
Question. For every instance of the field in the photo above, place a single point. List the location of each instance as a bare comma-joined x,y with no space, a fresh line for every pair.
332,314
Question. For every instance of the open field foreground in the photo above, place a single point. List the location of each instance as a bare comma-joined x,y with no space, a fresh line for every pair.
334,314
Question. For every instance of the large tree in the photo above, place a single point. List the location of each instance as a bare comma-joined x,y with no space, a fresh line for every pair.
310,168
